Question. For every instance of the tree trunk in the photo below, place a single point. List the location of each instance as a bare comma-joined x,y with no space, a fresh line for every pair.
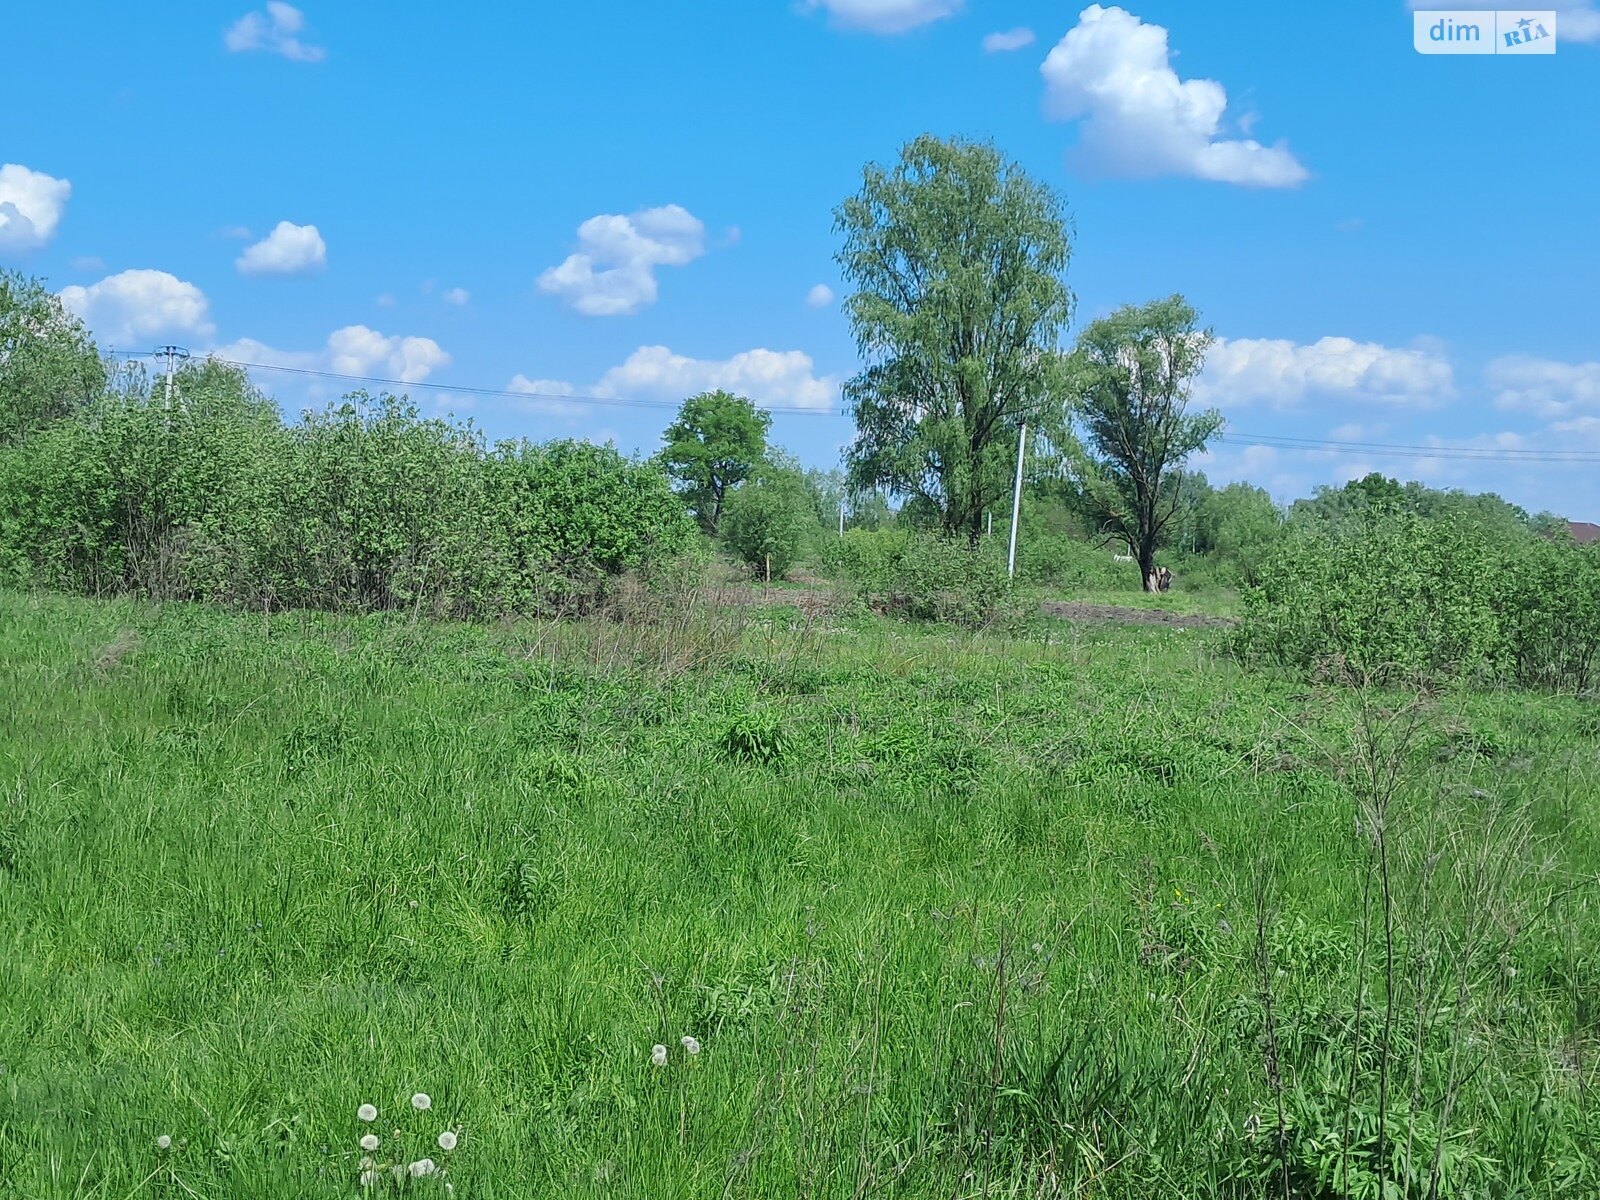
1147,565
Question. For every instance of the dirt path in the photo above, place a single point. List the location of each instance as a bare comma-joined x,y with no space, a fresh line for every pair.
1078,610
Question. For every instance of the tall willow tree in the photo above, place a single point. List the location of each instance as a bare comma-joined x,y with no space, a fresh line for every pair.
1128,388
957,258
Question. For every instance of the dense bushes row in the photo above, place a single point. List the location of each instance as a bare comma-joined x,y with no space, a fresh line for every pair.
1408,597
366,505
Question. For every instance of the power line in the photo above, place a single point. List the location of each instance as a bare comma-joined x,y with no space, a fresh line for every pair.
1275,441
502,393
1396,450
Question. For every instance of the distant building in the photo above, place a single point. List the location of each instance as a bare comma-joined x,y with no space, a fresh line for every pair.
1583,532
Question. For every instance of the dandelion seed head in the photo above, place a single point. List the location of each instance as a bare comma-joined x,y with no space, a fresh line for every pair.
366,1164
163,1142
423,1166
421,1102
447,1140
370,1179
690,1044
369,1142
658,1055
367,1112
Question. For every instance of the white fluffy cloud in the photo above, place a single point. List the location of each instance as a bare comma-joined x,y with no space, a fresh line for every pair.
357,350
133,307
613,271
289,249
1008,40
277,31
1543,386
457,296
1284,374
353,350
1576,20
820,296
886,16
778,379
785,379
1113,73
31,204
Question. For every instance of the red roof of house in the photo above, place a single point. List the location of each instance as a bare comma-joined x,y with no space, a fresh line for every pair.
1584,532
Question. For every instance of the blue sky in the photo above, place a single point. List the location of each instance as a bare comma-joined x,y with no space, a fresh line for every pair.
634,200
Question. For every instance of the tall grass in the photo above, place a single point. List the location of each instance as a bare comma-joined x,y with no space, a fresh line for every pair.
1081,913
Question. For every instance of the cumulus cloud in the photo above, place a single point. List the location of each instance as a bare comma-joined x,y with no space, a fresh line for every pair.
820,296
31,204
275,31
784,379
357,350
1010,39
457,296
1112,73
1576,20
1283,374
1544,386
139,306
289,249
353,350
777,379
886,16
613,271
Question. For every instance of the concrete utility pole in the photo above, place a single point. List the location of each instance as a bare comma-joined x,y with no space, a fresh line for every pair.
841,518
172,354
1016,504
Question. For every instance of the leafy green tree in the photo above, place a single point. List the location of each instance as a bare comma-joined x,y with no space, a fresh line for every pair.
1377,497
1128,387
716,442
957,257
49,367
769,517
1374,496
1240,525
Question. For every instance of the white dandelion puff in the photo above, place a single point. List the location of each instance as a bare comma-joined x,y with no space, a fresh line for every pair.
691,1045
367,1112
447,1140
658,1055
366,1164
370,1142
163,1142
423,1166
370,1178
420,1102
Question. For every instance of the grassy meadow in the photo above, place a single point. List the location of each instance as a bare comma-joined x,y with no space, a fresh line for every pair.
1057,910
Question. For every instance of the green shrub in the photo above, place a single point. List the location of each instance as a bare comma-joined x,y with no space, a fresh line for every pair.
768,517
1411,598
1553,622
362,506
565,517
921,575
131,494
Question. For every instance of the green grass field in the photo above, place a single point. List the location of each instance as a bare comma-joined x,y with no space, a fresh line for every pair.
1089,912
